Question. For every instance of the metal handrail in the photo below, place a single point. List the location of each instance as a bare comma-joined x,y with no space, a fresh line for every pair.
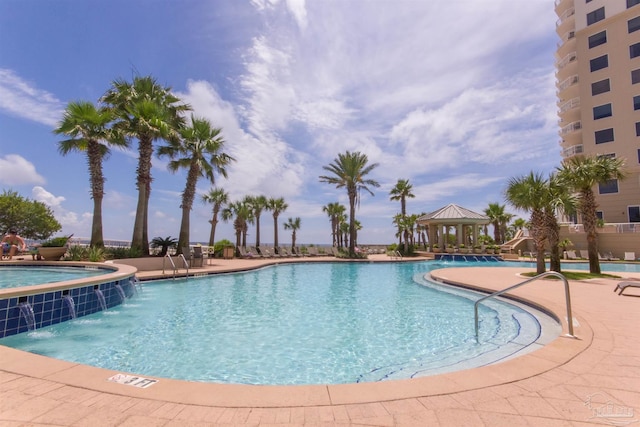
175,269
539,276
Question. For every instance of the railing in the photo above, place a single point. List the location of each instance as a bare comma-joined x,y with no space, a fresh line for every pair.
569,105
566,37
569,81
568,58
571,127
539,276
572,151
173,265
609,228
567,14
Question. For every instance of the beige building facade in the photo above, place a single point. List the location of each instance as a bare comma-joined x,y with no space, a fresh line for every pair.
598,89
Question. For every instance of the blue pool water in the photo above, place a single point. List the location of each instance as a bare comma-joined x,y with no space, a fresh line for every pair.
295,324
16,276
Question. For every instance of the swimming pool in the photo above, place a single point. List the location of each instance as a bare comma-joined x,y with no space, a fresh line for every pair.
18,276
296,324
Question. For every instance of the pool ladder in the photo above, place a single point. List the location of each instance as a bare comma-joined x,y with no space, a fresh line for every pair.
539,276
173,264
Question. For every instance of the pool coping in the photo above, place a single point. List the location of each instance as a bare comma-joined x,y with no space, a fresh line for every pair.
559,352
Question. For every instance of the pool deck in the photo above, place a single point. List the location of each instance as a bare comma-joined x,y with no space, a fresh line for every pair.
593,379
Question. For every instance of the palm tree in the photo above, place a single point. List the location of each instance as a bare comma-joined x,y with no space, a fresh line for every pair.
276,206
257,205
89,130
348,171
401,191
243,215
147,111
164,243
582,173
218,198
499,219
293,225
559,201
529,193
334,211
199,150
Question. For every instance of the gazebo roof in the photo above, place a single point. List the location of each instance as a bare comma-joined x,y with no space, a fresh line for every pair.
453,214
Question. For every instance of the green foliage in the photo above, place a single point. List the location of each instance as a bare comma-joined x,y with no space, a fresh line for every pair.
32,219
219,246
164,243
76,253
95,254
56,242
120,253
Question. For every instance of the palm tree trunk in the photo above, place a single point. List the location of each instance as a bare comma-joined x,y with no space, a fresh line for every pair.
275,231
590,220
538,235
212,233
352,222
97,240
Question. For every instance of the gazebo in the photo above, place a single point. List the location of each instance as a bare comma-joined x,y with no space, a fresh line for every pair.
439,221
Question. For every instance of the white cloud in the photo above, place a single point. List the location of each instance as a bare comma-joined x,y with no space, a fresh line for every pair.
21,98
71,222
16,170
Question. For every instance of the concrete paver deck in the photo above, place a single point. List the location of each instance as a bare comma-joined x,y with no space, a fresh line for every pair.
594,379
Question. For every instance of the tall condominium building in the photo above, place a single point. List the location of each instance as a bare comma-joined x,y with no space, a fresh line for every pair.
598,89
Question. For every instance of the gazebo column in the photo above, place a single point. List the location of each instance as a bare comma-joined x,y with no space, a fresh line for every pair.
459,234
474,233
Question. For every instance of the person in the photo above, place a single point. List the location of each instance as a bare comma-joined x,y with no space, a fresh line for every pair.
13,244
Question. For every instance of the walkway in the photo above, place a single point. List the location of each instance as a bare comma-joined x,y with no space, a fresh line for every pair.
571,382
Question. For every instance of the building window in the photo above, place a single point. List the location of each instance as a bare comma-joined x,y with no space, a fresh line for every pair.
597,39
595,16
608,187
602,62
638,155
637,128
636,102
602,111
600,87
605,135
632,3
635,76
634,213
634,50
600,215
633,24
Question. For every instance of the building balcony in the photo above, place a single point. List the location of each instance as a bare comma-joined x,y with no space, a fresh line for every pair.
570,128
569,105
562,5
566,60
567,83
569,35
574,150
566,16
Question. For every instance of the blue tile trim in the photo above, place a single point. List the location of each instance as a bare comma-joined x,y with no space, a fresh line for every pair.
50,308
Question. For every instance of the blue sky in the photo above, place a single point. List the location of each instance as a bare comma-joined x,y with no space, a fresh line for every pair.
457,96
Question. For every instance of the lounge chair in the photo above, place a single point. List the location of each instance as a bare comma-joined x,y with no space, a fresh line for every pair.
607,257
624,285
244,253
264,251
629,256
283,252
312,251
572,255
295,251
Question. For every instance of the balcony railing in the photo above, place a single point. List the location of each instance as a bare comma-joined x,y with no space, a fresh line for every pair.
571,127
566,15
574,150
569,105
569,81
566,37
610,228
570,57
